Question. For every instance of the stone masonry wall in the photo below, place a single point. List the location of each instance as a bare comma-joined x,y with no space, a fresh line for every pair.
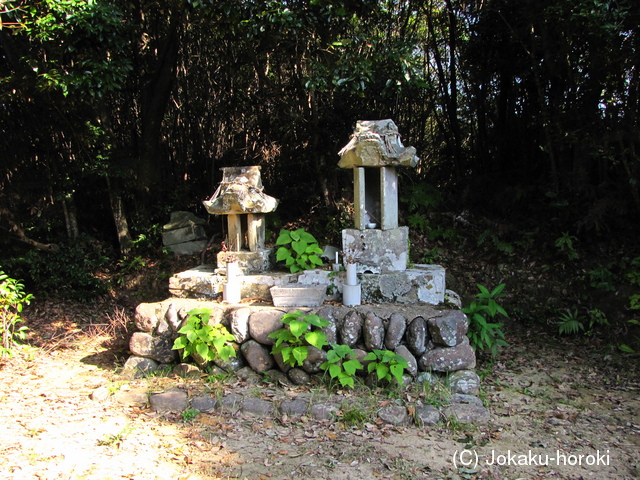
431,340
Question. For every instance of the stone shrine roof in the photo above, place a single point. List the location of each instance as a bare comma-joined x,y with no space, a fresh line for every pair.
240,192
376,143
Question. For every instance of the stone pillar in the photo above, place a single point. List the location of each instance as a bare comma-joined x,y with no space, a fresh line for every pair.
255,231
359,195
234,224
388,198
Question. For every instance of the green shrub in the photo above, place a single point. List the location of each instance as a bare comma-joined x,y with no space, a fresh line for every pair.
483,333
341,364
71,271
205,340
293,340
386,364
12,300
571,322
565,245
298,249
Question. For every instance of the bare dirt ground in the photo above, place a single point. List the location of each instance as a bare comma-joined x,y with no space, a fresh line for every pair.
559,410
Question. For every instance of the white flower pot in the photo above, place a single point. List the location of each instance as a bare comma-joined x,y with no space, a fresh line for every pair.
351,295
231,291
352,274
233,270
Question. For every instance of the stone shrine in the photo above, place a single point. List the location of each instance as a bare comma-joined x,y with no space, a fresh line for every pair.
241,199
384,304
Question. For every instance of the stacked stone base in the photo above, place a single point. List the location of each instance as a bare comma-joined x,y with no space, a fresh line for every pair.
433,341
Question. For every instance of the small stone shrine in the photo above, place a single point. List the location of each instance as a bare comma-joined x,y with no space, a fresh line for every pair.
241,199
378,245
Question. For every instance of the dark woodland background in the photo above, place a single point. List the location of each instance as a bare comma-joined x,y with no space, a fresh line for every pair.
524,115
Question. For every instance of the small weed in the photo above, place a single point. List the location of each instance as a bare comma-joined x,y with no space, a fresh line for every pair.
602,278
453,424
354,416
114,387
207,341
189,415
571,322
434,255
219,377
254,392
499,245
436,394
341,364
565,245
116,440
387,365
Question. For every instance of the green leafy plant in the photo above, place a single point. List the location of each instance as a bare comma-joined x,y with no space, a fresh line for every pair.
386,364
72,271
292,341
354,415
484,333
204,339
341,364
421,200
624,347
570,322
12,300
565,244
493,237
602,278
298,249
433,255
633,273
189,414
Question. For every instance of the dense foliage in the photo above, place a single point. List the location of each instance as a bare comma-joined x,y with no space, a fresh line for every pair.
114,113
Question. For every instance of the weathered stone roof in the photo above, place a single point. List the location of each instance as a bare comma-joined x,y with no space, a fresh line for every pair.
376,143
240,192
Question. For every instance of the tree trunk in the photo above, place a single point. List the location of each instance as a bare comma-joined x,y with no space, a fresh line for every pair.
155,96
70,218
120,219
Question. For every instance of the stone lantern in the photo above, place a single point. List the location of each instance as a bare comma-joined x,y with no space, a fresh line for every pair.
374,152
241,199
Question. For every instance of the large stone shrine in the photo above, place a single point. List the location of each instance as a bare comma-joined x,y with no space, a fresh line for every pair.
401,309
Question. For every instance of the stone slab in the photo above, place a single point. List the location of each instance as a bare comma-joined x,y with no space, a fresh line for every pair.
188,248
184,234
422,284
182,219
204,282
377,251
250,263
298,295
